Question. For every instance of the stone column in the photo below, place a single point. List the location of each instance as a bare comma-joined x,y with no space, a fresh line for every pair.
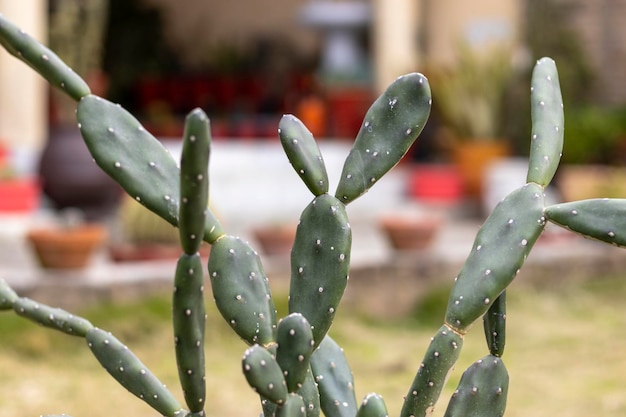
395,39
23,93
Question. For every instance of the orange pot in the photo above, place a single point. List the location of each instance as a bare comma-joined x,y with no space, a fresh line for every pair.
472,160
66,248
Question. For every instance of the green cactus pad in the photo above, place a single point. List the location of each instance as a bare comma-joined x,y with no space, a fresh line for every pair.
440,357
482,391
389,128
54,318
7,296
295,346
310,395
24,47
334,380
264,374
599,219
320,262
135,159
499,251
293,407
373,405
303,153
241,290
128,370
189,318
546,106
194,180
494,324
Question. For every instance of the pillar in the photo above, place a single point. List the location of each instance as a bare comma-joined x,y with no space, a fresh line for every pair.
23,92
395,39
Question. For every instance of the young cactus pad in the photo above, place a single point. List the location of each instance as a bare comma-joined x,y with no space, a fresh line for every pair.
21,45
546,106
241,290
264,374
441,355
482,391
499,251
320,263
303,153
194,181
334,380
189,319
128,370
389,128
295,347
54,318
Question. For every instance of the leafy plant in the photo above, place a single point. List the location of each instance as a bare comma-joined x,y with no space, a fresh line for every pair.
470,95
292,363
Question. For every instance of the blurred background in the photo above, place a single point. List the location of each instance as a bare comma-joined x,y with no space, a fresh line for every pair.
247,62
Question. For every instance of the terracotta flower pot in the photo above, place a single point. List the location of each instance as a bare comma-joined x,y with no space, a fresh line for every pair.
66,248
139,252
410,233
276,240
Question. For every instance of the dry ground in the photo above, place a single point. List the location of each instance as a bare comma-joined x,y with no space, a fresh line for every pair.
564,354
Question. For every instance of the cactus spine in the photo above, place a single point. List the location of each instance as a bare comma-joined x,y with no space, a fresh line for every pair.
297,369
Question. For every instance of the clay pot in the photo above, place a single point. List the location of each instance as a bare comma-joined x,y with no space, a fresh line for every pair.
410,232
276,240
70,177
70,248
472,160
126,252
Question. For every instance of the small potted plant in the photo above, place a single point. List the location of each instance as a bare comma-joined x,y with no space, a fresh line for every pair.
410,231
469,98
143,236
69,244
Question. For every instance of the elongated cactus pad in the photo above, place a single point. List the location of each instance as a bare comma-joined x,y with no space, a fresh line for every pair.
334,380
320,262
310,395
373,405
546,106
303,153
295,346
494,324
440,357
189,318
390,127
293,407
499,251
133,375
241,290
264,374
23,46
600,219
482,391
135,159
7,296
194,180
54,318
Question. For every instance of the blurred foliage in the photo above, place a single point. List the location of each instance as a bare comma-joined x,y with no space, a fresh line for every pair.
469,96
593,134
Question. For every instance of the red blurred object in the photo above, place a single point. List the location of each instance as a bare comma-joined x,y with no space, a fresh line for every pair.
435,183
19,195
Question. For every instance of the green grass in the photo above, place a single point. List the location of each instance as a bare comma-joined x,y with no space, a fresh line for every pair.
563,354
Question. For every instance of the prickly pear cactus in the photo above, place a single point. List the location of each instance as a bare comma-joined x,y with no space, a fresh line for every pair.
293,364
